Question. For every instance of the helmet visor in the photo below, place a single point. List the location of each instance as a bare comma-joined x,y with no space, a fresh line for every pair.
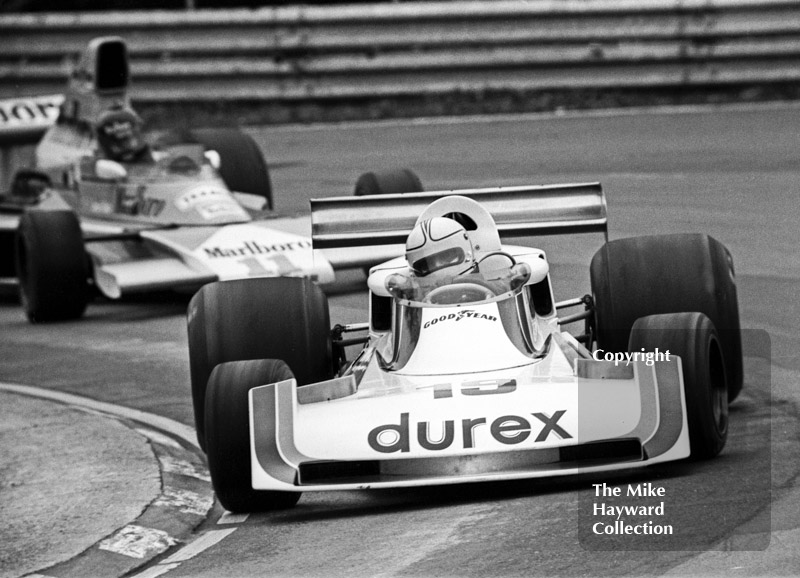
442,259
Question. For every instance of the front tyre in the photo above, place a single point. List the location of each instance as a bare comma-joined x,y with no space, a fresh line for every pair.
693,337
653,275
228,434
52,266
260,318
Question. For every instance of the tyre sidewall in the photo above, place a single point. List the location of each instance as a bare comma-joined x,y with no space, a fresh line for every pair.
242,166
641,276
264,318
52,265
388,182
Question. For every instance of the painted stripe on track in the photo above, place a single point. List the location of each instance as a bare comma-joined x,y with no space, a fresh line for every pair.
203,543
187,499
231,518
164,424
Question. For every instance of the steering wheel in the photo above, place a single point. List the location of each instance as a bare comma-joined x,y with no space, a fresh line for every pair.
458,293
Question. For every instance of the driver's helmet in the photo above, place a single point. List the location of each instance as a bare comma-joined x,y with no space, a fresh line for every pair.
119,135
441,246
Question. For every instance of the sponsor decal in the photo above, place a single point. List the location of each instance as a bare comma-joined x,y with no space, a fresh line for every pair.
211,203
219,211
253,248
29,111
132,201
506,429
212,196
462,314
250,250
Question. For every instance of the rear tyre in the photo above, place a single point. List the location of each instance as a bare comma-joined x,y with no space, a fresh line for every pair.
641,276
692,336
390,182
242,167
263,318
228,434
52,266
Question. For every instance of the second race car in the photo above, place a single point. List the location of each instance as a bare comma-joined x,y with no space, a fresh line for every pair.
110,209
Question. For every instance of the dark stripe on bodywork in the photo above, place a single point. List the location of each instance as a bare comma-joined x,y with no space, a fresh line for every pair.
670,422
648,417
285,419
264,430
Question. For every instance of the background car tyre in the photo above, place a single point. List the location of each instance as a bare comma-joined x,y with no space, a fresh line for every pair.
389,182
242,167
228,434
52,266
263,318
641,276
693,338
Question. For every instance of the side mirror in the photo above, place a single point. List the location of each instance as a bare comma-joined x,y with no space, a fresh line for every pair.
213,159
109,170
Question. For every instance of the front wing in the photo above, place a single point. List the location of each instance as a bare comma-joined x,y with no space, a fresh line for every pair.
608,429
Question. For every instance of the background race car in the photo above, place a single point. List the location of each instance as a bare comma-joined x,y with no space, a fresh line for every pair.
109,208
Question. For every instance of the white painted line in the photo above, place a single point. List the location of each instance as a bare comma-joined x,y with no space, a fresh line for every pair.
137,542
201,544
155,571
186,502
184,468
158,438
172,427
231,518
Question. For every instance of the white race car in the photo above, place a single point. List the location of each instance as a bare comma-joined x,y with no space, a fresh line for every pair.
472,378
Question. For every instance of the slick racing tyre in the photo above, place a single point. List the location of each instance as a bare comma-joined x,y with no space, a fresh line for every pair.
263,318
388,182
641,276
693,338
228,434
242,167
52,266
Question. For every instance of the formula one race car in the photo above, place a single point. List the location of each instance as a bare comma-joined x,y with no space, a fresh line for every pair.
107,208
466,373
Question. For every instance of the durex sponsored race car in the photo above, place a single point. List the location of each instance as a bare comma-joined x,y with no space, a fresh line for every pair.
463,371
107,208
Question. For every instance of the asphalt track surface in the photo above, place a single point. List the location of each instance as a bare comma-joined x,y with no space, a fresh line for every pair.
732,174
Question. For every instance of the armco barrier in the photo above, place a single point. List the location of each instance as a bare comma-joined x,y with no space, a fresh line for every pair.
338,52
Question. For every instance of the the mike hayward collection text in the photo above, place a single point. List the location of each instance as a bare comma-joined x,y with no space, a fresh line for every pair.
628,519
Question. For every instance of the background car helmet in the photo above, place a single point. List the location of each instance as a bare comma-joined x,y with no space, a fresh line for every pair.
439,245
119,134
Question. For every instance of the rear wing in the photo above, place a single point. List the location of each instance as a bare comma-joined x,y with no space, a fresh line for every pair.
518,212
